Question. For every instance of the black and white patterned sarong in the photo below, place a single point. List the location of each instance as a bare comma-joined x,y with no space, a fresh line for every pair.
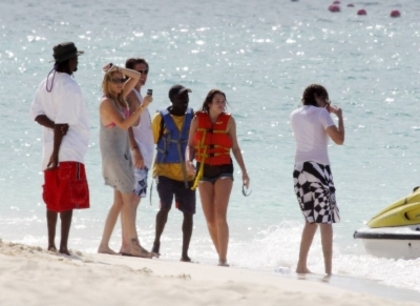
315,191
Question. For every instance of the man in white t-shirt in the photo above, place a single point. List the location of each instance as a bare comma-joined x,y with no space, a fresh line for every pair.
140,134
60,108
312,126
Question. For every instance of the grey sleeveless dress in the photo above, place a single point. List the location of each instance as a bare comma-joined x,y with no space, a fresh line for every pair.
117,166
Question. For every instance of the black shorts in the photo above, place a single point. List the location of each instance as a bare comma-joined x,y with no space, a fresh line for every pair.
213,173
184,197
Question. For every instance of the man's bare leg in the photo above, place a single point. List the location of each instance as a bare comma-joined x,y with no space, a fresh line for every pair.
327,248
161,219
305,244
51,225
187,227
65,217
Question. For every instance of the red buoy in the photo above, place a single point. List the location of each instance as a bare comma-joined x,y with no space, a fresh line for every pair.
334,8
361,12
395,13
336,2
350,5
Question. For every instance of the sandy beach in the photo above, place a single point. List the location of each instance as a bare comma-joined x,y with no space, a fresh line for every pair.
30,275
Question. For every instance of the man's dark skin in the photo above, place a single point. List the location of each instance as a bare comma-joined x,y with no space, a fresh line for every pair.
60,130
178,108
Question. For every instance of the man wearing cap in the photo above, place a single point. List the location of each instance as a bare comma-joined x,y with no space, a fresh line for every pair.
60,108
171,127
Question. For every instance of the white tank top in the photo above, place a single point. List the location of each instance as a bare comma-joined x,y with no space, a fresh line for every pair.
144,135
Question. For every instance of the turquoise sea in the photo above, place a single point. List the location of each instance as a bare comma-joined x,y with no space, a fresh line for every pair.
262,54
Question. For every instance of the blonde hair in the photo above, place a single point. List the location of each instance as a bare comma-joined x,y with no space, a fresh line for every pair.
106,88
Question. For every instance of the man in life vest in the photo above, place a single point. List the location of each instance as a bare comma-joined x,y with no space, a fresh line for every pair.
170,128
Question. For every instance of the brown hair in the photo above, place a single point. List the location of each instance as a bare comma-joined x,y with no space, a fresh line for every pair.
209,99
106,88
131,62
311,91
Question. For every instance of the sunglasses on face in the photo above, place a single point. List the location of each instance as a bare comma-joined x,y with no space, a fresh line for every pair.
118,81
143,71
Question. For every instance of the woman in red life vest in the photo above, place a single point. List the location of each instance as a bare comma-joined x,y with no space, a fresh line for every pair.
212,137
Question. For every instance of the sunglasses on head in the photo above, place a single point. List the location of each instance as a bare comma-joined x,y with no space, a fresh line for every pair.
143,71
118,81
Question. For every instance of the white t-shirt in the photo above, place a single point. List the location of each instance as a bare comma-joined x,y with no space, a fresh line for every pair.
63,105
144,135
309,124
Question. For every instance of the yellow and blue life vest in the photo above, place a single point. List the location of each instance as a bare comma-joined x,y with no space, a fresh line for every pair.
172,144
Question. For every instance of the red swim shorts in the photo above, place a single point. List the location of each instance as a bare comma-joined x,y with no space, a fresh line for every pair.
66,187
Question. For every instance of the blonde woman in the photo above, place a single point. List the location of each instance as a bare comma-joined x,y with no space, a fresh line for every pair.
117,169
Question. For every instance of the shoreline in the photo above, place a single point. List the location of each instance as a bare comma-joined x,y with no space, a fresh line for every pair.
363,285
85,279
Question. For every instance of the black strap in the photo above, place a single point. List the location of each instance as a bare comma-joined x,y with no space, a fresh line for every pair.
162,126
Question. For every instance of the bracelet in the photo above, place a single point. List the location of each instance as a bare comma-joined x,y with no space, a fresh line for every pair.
135,147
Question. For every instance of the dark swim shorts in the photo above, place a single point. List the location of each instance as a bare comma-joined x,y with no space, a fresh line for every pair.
184,197
213,173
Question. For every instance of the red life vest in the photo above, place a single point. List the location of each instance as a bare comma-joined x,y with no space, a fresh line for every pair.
212,142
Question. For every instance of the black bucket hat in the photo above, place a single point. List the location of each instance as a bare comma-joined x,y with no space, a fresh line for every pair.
64,51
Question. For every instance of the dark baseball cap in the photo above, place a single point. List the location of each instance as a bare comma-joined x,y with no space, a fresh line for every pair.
177,90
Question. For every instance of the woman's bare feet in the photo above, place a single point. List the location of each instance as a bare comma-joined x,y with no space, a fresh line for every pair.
138,251
303,270
106,250
223,264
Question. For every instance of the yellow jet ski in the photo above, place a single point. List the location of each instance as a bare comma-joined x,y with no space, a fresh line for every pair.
395,231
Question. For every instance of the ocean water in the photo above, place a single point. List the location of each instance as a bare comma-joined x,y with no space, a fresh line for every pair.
262,54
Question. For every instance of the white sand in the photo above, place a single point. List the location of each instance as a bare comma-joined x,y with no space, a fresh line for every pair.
32,276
